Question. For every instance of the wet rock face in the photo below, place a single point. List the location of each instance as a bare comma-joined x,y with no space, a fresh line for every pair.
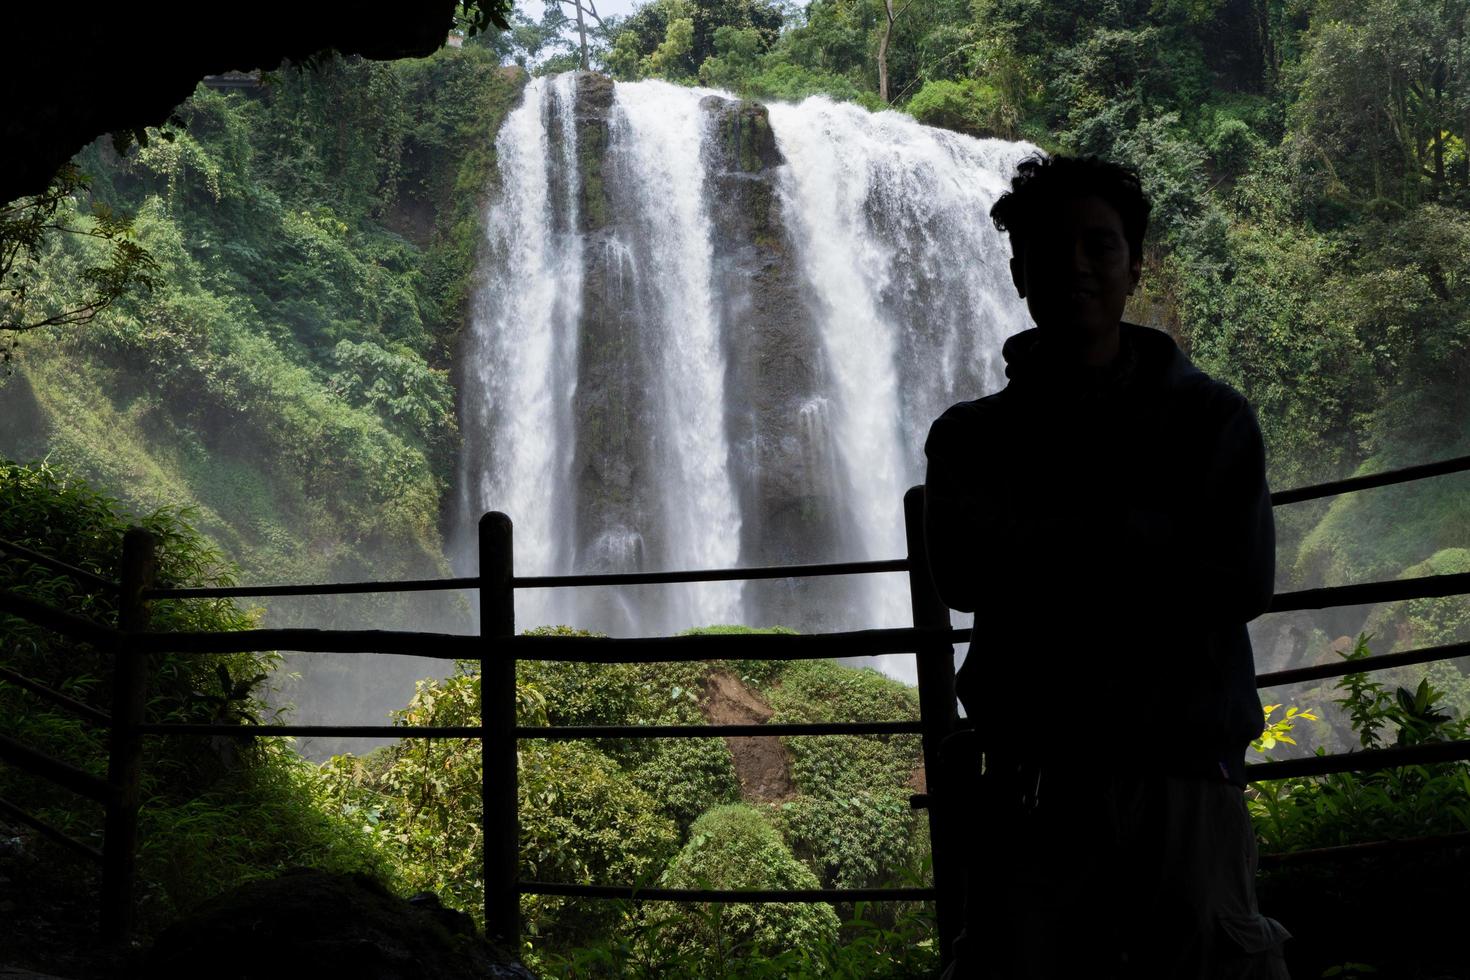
312,923
609,456
773,362
593,104
774,376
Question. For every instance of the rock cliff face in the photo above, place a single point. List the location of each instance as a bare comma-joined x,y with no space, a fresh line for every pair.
711,335
780,459
611,411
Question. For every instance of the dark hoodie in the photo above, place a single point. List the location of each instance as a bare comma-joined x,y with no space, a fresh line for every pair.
1112,531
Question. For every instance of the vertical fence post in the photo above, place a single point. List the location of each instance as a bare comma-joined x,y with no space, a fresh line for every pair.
500,822
129,693
935,666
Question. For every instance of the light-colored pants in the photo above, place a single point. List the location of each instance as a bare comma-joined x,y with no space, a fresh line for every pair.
1136,877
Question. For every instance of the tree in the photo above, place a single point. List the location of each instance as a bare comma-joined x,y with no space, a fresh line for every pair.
890,16
1384,95
673,38
585,11
26,227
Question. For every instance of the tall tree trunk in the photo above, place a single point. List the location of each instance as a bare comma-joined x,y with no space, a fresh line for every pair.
582,34
883,50
1438,134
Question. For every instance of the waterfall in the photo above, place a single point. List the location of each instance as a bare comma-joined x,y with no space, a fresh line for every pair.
913,290
520,360
714,333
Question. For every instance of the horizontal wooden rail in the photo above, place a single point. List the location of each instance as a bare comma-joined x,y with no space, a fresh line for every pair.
729,646
46,561
62,774
1279,498
49,617
311,731
332,588
1365,849
55,697
1298,675
563,733
1423,587
762,646
1394,590
1403,475
580,649
711,574
49,832
436,646
554,733
1368,760
541,581
802,895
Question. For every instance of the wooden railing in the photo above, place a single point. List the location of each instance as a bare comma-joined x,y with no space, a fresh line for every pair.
497,649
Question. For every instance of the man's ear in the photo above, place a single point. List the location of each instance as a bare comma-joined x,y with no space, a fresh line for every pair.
1135,272
1018,276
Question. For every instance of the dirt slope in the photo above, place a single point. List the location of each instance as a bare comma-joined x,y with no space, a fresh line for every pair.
761,762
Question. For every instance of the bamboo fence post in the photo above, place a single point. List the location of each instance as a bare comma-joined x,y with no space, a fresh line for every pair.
935,667
129,693
500,821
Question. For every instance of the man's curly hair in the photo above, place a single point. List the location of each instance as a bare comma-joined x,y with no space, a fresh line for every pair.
1042,183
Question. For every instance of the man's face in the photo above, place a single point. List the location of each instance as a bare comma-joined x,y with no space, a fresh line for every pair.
1076,272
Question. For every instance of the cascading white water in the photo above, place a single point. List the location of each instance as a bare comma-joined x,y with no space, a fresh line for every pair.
914,294
658,133
627,398
521,363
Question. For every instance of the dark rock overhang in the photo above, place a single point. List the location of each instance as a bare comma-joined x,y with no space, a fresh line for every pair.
72,73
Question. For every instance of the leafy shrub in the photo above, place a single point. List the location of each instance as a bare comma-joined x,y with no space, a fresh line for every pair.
869,838
687,776
788,82
214,812
735,847
582,819
833,766
971,106
852,824
1343,808
1233,145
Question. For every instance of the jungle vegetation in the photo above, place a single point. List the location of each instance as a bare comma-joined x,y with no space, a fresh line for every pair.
297,261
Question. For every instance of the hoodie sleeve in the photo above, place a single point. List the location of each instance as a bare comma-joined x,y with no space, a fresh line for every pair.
1217,565
955,515
982,547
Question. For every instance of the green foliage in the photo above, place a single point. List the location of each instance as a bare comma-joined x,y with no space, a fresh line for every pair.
1409,801
1279,731
114,265
673,39
659,811
864,949
737,55
781,81
852,824
834,765
582,818
970,106
1233,145
735,847
310,250
214,813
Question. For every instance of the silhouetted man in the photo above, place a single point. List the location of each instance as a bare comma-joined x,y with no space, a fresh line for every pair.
1107,519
